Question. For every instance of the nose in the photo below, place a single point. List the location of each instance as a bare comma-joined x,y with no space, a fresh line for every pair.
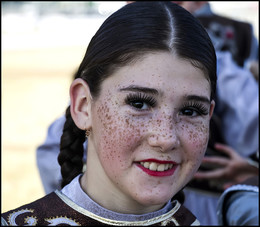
164,136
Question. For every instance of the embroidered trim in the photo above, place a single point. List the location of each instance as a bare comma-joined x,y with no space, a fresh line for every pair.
61,220
161,218
169,220
28,220
240,187
31,220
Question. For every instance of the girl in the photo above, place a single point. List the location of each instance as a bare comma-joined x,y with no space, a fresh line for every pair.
143,96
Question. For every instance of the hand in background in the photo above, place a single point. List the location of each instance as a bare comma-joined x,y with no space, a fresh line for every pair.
231,170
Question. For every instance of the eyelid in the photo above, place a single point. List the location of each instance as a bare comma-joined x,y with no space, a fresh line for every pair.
141,98
198,106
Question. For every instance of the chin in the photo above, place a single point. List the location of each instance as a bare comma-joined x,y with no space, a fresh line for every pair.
155,199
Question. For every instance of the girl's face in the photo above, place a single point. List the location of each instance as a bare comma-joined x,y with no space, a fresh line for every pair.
150,128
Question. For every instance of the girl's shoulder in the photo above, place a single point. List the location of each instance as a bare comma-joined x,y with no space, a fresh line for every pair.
44,211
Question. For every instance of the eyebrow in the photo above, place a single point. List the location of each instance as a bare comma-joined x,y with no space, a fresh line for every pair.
153,91
140,89
198,98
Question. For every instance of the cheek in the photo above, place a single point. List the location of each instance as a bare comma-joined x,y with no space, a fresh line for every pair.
197,136
116,137
194,142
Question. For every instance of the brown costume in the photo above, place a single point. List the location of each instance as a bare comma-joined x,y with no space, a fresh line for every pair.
57,209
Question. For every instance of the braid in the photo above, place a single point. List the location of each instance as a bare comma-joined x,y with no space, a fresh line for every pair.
71,150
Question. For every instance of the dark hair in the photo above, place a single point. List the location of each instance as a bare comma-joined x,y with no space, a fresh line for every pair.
131,32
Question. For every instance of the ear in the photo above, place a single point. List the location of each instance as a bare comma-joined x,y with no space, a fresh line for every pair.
212,107
80,106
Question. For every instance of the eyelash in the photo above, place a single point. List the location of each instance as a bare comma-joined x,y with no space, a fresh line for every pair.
150,101
142,99
199,108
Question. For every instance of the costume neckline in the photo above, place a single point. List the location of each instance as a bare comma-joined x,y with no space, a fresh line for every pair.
76,196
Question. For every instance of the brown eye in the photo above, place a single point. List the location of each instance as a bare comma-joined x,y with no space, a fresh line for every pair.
140,101
191,112
139,105
194,109
187,112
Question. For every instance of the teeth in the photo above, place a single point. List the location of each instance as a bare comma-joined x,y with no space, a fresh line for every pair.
153,166
146,165
160,167
156,166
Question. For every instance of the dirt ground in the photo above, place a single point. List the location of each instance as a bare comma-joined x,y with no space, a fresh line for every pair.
35,85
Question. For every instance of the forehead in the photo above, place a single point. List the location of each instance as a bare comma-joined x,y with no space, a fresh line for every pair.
162,71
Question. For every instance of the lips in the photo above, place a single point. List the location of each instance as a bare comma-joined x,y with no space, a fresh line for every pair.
157,168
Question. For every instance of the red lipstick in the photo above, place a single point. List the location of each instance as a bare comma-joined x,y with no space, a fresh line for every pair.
171,167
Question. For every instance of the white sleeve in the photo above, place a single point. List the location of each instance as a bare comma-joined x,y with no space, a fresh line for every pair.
237,105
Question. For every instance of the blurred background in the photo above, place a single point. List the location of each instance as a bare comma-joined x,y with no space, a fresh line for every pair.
43,43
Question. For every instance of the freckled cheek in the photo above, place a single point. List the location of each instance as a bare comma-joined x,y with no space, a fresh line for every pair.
117,140
197,136
117,133
194,141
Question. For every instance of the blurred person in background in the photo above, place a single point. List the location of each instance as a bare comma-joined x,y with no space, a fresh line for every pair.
236,109
227,34
238,127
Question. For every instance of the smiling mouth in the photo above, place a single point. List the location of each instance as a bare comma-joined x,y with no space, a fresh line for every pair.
157,168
